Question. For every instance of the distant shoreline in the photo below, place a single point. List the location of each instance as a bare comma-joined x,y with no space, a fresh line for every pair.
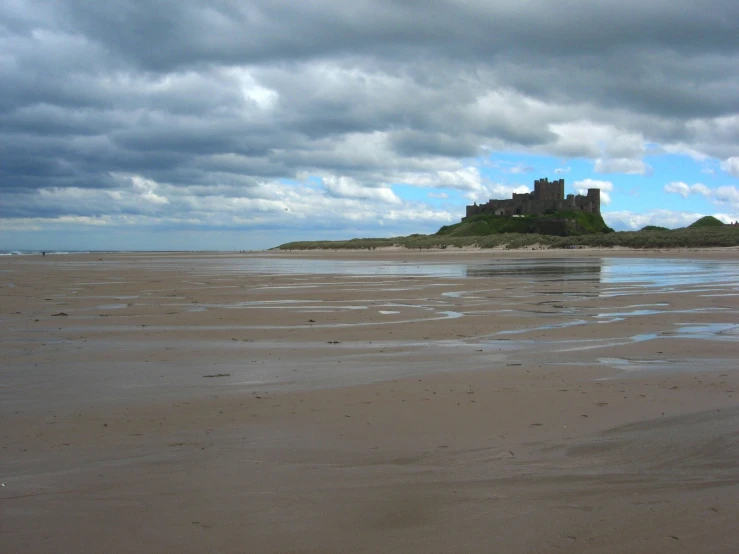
434,255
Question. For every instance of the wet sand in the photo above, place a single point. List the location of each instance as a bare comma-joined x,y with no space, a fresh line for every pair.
530,401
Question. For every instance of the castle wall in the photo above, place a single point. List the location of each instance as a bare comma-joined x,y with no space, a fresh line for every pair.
545,197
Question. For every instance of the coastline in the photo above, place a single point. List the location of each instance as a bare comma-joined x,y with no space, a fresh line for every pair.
440,254
433,254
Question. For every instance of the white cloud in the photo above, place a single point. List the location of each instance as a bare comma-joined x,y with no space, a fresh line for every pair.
336,202
424,214
81,220
613,149
681,148
496,191
146,189
135,195
606,187
700,188
520,168
728,218
629,166
731,166
594,184
253,93
727,195
442,195
678,187
22,224
685,190
464,178
347,187
630,221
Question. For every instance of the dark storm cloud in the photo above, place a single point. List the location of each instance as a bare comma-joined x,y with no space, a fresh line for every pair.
236,94
165,34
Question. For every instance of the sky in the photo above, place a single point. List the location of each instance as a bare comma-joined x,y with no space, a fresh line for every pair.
241,125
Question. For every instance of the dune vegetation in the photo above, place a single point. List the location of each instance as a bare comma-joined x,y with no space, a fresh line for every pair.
707,221
560,230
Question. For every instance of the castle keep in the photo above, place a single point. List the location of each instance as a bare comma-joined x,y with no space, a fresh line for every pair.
547,197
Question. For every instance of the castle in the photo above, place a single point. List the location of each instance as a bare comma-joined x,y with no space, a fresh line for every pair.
547,197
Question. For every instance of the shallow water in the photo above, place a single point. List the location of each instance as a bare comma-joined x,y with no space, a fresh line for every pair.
532,312
622,274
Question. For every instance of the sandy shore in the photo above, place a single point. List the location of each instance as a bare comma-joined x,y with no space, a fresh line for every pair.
395,401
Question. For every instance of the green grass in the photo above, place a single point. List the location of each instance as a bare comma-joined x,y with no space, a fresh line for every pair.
708,221
678,238
654,228
560,223
452,236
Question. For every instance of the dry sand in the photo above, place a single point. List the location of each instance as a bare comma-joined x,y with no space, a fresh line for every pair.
187,404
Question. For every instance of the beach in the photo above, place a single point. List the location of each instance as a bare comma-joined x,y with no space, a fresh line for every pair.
379,401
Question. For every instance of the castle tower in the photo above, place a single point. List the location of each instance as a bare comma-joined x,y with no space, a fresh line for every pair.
549,192
539,186
594,197
559,189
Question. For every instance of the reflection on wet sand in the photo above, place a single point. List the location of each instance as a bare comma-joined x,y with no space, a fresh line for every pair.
539,305
263,404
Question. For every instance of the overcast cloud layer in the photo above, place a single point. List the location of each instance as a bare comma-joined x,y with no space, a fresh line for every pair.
304,117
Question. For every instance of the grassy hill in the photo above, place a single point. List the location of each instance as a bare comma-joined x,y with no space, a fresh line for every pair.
561,224
517,233
708,221
654,228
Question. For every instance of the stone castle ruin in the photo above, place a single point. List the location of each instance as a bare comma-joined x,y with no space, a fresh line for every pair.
547,197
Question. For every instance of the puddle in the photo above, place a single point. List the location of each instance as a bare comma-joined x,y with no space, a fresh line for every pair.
438,316
626,364
562,325
633,313
712,331
111,306
644,337
270,302
270,287
594,344
454,294
613,361
623,315
79,285
716,331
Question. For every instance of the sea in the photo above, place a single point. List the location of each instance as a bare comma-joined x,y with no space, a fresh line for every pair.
37,252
